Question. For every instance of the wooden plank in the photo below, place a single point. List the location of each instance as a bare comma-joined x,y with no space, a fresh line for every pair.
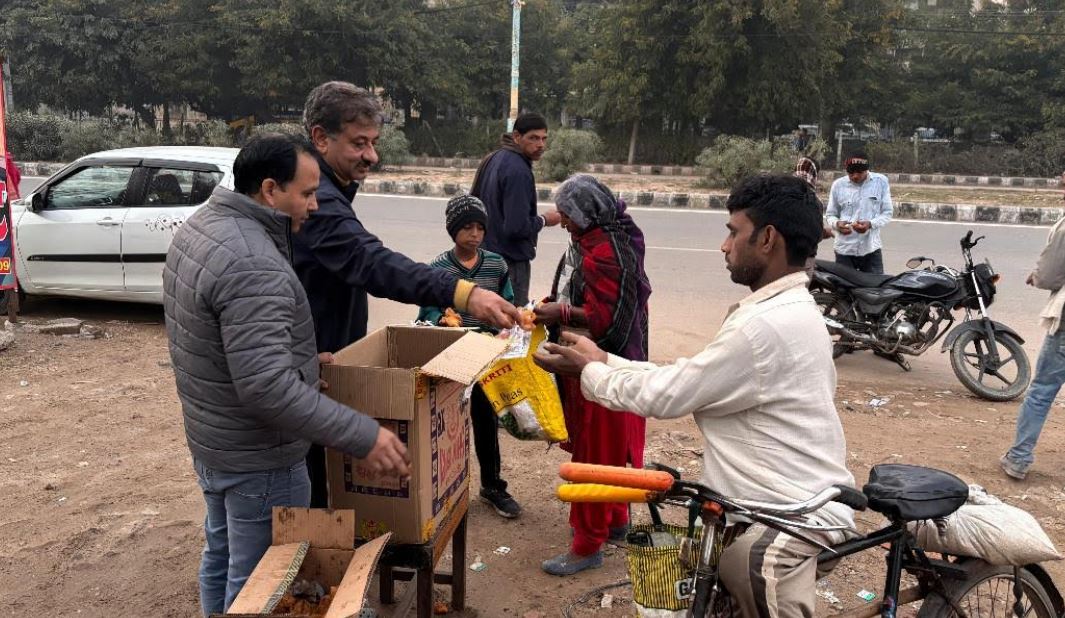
446,531
352,590
270,579
323,528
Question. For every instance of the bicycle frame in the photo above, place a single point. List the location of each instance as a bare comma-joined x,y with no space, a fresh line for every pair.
902,555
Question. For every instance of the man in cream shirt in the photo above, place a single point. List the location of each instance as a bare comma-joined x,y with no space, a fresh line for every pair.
761,393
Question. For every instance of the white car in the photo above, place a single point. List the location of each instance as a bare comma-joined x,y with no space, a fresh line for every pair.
101,227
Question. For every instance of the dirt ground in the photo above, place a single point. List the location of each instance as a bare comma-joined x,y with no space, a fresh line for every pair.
102,516
984,196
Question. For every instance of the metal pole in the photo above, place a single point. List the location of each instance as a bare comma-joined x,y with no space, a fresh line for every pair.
9,97
515,44
839,149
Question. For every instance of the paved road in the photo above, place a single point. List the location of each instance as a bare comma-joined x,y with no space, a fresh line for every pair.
692,290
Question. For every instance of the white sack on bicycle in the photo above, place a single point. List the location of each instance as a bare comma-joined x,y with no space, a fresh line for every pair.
987,528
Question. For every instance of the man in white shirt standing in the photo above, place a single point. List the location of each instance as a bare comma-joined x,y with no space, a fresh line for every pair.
859,205
761,394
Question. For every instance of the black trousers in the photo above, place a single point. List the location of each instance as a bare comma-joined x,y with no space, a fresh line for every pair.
868,263
520,274
485,442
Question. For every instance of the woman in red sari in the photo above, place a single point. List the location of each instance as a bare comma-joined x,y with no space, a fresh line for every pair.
600,287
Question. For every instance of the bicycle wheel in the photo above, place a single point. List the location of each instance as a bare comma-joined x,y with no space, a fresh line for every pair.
723,606
988,591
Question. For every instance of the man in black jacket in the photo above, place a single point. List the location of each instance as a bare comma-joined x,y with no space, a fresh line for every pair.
339,261
505,183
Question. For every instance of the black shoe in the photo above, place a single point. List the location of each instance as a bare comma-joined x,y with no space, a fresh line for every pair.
502,502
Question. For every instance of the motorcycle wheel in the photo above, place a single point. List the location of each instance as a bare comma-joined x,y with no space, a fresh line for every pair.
968,359
834,307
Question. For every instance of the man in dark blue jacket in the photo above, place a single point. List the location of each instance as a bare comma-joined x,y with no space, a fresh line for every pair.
339,261
505,183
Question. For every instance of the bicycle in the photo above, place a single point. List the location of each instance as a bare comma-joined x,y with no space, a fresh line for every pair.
949,586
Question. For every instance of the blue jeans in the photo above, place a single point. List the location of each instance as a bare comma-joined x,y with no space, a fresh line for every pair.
238,525
1049,376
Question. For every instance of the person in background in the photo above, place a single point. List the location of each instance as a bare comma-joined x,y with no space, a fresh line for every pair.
806,168
1049,275
504,182
859,206
466,219
602,288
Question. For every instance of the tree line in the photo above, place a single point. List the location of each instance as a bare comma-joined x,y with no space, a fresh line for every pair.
637,69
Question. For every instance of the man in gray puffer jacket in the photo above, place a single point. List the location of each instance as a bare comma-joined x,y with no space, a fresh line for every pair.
246,363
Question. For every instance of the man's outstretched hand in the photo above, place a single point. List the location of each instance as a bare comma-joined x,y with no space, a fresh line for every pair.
389,455
571,356
490,308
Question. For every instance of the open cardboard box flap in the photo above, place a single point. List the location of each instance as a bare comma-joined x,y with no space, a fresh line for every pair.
466,359
298,534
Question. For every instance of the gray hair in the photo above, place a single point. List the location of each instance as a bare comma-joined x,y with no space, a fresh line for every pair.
334,104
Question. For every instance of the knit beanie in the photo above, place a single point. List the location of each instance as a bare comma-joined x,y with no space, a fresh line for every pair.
461,211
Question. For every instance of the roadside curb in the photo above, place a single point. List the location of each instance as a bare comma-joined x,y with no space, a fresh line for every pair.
713,201
963,213
42,168
825,175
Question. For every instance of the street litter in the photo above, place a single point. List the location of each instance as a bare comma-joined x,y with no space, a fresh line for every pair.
876,402
502,550
477,565
830,597
23,383
866,596
607,601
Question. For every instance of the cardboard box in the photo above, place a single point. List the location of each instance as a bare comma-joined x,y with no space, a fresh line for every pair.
412,380
315,545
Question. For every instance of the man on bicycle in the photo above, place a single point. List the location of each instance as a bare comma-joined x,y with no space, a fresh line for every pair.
761,393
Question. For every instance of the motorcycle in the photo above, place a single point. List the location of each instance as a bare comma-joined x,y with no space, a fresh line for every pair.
906,314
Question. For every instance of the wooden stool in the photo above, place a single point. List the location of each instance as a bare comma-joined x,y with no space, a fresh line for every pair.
406,562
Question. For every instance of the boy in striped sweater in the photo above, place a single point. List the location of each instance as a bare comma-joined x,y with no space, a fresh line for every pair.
465,220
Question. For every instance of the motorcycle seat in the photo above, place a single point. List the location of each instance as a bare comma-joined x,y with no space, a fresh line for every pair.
854,277
912,493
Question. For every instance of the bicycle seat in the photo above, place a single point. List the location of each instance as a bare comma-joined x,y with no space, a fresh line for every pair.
854,277
909,493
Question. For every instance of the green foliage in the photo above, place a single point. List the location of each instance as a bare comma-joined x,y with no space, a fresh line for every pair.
32,137
285,128
48,137
459,139
393,147
672,73
1044,153
731,159
818,150
568,151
